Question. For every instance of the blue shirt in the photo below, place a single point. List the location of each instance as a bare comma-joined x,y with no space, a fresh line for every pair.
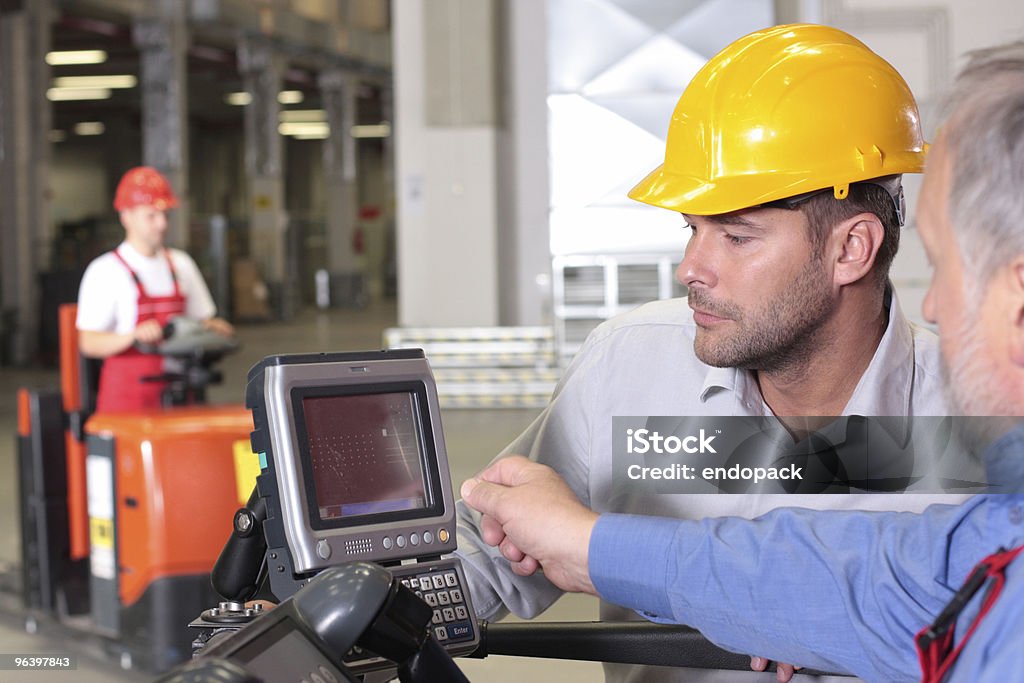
839,591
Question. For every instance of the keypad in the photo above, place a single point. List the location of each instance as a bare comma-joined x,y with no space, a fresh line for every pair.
440,585
441,590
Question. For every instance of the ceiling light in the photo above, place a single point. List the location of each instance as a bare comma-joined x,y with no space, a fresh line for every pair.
119,81
316,128
66,57
64,94
238,99
378,130
303,115
89,128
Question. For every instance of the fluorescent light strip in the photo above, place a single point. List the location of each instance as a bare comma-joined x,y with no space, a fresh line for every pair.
67,94
379,130
304,128
89,128
118,81
68,57
310,129
303,116
240,99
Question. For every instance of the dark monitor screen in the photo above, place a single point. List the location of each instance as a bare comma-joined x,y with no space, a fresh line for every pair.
365,453
283,653
368,454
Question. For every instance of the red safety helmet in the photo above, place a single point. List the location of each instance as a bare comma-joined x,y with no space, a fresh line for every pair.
144,186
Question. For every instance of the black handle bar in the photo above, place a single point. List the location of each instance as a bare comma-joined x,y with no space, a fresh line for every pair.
626,642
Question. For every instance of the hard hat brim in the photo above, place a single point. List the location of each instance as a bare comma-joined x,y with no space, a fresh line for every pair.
697,196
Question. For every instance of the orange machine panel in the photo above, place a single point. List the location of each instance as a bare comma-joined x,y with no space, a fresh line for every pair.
70,389
24,413
175,489
78,514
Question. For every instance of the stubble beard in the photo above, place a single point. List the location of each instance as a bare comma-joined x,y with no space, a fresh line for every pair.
776,336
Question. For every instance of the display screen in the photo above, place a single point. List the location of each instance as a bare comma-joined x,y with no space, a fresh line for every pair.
365,454
283,653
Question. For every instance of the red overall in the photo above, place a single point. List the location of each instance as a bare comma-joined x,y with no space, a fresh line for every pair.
121,385
935,648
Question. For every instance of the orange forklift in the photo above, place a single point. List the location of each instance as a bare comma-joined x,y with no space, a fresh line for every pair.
123,515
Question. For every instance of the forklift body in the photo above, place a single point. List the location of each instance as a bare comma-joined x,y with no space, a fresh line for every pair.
124,514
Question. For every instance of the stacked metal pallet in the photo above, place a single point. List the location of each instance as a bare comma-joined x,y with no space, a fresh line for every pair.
486,367
590,288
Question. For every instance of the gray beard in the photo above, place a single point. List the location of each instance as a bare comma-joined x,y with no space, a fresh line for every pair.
973,389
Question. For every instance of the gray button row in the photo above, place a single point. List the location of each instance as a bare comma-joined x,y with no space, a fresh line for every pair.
449,614
427,583
441,598
414,539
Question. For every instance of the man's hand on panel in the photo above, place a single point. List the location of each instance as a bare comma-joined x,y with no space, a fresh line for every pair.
536,521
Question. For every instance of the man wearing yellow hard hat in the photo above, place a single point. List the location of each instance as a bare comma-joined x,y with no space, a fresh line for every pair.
936,596
784,156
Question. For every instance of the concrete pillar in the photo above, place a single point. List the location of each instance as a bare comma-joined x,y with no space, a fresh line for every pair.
446,124
470,131
524,237
338,93
25,121
122,144
262,66
162,39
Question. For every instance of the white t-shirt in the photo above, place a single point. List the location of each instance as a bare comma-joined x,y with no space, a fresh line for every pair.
108,296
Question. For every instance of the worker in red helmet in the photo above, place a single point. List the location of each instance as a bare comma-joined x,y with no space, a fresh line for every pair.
127,295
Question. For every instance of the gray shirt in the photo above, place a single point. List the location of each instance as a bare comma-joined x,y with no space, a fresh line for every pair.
642,363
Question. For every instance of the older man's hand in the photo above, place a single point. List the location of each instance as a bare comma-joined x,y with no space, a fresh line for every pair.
535,519
783,672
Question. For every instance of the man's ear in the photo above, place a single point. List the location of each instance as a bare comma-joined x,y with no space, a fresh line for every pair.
1016,299
857,241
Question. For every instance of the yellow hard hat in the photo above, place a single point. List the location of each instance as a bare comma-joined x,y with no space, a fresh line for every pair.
781,112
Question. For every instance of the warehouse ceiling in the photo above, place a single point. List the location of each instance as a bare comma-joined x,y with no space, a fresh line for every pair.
211,67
